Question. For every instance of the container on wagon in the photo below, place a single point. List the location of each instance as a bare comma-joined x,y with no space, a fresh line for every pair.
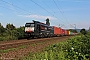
68,32
71,33
62,32
65,32
57,30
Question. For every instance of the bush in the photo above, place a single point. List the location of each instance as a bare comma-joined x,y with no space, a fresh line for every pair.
76,48
12,34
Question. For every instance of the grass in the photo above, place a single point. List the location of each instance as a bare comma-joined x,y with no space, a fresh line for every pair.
12,49
20,47
33,44
36,44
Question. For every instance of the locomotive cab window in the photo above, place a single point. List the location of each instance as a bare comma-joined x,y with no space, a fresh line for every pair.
29,25
32,25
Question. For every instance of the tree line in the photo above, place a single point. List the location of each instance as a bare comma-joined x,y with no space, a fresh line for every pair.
10,32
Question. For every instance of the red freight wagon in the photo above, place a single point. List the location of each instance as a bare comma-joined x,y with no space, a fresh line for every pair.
57,30
65,32
62,32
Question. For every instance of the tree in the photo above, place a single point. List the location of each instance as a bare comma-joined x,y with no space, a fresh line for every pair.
2,29
10,26
20,32
47,22
83,31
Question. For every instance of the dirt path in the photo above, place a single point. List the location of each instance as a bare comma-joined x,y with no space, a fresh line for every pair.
30,46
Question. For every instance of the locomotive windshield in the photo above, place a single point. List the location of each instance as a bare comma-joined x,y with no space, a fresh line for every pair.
29,25
32,25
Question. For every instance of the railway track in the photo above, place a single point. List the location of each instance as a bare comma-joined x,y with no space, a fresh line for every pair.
16,43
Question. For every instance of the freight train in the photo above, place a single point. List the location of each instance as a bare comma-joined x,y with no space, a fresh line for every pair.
39,29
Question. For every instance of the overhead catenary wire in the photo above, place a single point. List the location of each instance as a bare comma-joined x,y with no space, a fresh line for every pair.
64,14
45,10
51,10
58,8
31,8
7,8
27,6
42,7
22,8
29,13
16,6
48,6
26,10
12,10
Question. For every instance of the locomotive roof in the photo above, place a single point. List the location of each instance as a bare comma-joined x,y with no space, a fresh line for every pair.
40,23
29,23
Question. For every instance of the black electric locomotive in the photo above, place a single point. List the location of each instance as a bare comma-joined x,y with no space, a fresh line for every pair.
38,29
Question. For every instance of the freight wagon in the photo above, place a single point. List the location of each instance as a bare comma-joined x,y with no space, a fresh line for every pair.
57,31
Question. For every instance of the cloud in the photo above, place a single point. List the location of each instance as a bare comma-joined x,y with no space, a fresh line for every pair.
38,17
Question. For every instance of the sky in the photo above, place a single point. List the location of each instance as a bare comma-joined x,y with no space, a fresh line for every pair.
61,13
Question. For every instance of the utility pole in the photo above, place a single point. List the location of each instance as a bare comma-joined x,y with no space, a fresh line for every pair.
89,28
61,25
75,26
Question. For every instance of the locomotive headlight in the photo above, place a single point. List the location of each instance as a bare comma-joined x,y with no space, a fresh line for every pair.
40,33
